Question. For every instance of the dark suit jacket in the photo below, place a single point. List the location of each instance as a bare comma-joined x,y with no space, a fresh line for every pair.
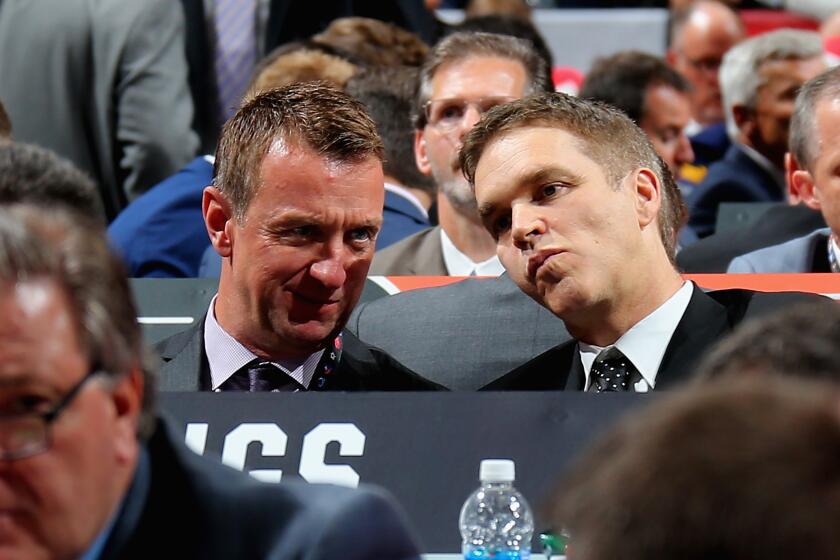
708,318
777,225
419,254
184,506
162,233
735,178
287,21
463,335
400,219
362,367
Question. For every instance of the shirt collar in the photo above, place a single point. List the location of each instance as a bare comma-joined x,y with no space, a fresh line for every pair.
409,196
226,355
459,264
646,341
765,164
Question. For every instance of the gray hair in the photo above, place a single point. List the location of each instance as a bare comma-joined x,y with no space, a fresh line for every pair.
739,72
803,123
468,44
73,251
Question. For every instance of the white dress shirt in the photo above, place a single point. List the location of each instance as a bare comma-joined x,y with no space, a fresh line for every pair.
646,341
459,264
226,355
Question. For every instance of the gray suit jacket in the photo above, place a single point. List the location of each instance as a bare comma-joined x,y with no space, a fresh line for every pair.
104,84
796,255
462,336
419,254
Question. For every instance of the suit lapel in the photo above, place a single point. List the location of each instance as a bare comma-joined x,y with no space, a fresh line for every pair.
703,323
185,365
429,255
575,377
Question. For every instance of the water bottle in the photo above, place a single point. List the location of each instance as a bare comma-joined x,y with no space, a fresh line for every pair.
496,521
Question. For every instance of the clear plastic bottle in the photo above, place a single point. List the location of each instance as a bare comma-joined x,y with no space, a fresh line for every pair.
496,521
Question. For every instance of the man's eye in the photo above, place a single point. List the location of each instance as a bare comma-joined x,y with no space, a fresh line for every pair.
501,225
303,231
451,112
549,190
361,235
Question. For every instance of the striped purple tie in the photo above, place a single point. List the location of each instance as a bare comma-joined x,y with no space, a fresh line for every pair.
236,51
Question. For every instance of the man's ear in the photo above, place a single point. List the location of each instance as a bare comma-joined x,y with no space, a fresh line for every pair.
791,167
420,154
803,183
127,399
648,194
217,212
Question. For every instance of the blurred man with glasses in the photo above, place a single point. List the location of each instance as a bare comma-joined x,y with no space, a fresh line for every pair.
464,75
87,471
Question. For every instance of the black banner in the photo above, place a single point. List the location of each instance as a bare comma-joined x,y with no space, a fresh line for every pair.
424,448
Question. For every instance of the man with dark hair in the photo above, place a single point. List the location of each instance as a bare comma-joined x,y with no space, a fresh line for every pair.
585,214
814,127
294,211
87,469
387,94
739,469
464,75
652,94
37,176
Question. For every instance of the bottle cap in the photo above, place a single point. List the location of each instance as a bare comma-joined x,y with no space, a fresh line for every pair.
497,470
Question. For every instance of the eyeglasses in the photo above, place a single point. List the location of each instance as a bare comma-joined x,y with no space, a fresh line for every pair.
26,434
446,114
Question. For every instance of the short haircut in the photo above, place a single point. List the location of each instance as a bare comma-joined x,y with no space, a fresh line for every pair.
285,66
5,124
73,251
314,115
388,93
377,43
512,26
607,135
38,176
463,45
623,79
800,340
739,72
803,123
738,470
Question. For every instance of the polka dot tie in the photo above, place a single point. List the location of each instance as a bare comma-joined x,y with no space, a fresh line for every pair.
611,372
259,376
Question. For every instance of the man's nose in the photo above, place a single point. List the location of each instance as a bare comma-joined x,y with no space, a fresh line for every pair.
471,116
685,153
330,269
526,226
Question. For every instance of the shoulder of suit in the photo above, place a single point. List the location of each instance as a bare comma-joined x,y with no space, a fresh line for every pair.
171,346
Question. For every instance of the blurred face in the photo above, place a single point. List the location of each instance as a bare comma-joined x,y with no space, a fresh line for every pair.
563,232
697,54
667,113
53,504
461,91
781,80
822,184
300,257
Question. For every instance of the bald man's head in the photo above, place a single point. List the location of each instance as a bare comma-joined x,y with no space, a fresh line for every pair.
700,35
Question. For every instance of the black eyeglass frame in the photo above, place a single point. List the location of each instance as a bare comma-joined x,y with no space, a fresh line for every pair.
47,418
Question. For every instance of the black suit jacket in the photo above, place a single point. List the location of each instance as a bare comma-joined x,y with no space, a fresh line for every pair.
708,318
777,225
287,21
361,368
735,178
184,506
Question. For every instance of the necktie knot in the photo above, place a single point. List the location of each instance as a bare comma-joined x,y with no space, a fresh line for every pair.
611,372
261,376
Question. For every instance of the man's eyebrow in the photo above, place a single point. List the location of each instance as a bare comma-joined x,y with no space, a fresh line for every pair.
486,209
536,177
